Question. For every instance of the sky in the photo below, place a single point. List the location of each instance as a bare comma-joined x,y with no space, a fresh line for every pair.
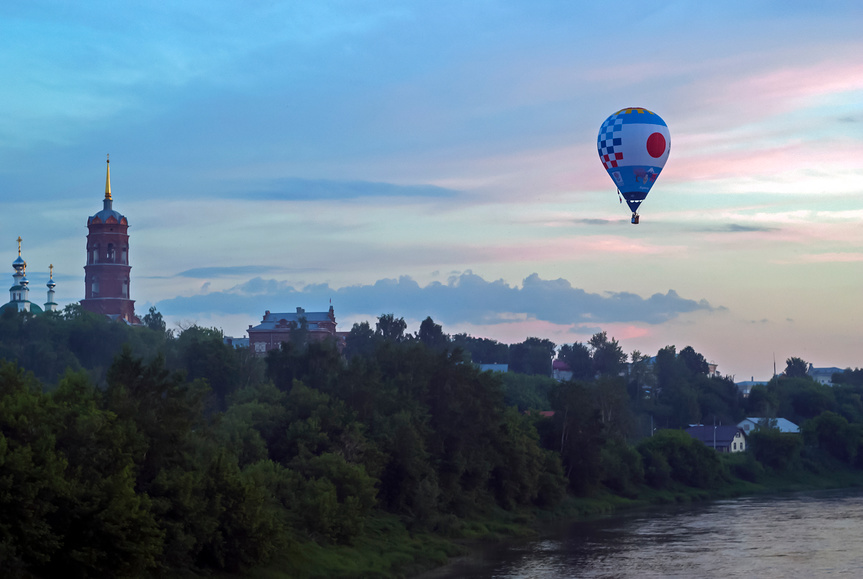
439,159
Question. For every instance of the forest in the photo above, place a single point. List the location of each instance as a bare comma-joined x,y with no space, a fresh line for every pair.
144,452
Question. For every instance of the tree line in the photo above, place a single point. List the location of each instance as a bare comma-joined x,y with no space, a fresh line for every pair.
137,451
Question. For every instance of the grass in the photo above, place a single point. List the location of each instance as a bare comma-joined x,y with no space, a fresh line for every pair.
386,550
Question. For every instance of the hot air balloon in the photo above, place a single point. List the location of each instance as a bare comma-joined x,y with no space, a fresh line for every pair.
633,146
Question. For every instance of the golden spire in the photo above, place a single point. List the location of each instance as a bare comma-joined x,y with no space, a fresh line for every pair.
108,180
51,272
19,246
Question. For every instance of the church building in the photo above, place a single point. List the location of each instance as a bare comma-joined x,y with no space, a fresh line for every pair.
19,293
106,273
276,328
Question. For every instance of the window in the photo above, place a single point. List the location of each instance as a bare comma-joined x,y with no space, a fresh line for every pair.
94,286
110,254
125,288
94,254
124,255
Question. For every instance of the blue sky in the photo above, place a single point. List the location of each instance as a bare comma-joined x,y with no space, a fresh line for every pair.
438,158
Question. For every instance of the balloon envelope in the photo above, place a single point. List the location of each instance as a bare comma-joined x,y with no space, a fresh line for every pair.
633,146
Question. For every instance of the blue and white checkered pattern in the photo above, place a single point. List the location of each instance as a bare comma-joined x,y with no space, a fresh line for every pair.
609,138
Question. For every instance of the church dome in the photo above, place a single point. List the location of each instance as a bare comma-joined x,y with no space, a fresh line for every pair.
105,214
13,306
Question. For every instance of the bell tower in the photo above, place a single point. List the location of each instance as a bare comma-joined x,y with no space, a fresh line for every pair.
106,273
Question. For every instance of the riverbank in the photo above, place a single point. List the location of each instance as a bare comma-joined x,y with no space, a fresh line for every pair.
388,549
829,475
801,534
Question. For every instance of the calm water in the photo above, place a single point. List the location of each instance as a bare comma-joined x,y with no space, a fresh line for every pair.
803,535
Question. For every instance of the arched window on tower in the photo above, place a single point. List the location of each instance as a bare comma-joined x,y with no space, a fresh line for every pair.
126,288
94,286
124,255
94,254
110,253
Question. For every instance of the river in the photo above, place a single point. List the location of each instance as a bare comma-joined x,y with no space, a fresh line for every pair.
806,535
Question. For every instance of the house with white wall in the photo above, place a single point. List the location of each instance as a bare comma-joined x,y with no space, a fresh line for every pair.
728,438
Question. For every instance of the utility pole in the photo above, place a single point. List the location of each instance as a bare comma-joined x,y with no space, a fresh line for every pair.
714,432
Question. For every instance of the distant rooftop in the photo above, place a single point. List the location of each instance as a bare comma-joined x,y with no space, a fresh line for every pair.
749,424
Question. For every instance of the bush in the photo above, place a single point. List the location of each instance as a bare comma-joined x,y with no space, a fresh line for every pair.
657,473
690,461
774,449
744,466
622,468
833,434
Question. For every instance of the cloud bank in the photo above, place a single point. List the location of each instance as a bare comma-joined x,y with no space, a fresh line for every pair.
464,298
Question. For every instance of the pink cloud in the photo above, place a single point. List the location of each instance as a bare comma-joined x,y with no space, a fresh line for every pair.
736,90
519,330
573,248
784,161
780,89
832,257
622,332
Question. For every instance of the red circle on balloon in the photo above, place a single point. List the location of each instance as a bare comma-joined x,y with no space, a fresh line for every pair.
656,145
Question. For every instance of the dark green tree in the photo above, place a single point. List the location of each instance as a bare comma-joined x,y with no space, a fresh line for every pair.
849,377
391,328
833,434
577,357
774,449
579,433
800,399
642,379
796,367
360,340
153,320
608,356
684,459
533,356
160,407
203,354
431,334
694,362
527,391
32,474
482,350
108,528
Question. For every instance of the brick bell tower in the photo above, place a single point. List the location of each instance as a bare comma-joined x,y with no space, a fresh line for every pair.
106,275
